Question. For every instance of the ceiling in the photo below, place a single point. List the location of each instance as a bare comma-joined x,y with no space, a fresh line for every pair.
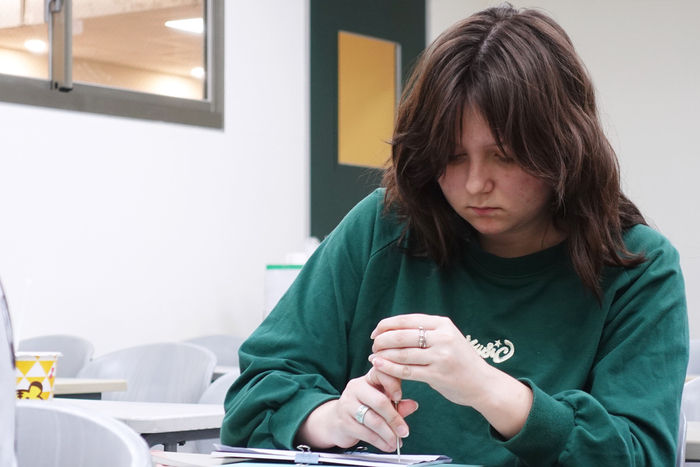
134,39
29,12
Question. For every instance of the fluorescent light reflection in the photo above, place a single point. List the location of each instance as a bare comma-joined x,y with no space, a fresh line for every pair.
36,46
191,25
198,72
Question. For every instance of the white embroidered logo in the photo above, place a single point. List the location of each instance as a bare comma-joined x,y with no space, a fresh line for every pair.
493,350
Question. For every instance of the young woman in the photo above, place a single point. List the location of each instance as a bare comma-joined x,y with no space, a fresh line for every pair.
500,280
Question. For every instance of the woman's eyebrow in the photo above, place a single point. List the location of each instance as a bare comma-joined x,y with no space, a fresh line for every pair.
461,148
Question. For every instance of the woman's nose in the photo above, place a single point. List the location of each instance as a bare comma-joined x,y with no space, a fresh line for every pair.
478,178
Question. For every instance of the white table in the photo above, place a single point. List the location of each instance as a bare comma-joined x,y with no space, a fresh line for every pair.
79,388
159,423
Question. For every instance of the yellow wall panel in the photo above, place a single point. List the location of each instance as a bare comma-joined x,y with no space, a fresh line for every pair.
367,89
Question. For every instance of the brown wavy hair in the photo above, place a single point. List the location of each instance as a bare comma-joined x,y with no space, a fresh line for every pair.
519,69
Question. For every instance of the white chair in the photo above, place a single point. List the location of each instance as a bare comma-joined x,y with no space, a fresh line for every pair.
690,402
7,387
57,435
690,406
224,346
680,448
215,394
76,351
173,372
694,357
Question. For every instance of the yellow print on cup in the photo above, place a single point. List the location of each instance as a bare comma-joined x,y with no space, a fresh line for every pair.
35,373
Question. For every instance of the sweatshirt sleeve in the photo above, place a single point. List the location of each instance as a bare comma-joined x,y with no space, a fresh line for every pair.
629,411
297,359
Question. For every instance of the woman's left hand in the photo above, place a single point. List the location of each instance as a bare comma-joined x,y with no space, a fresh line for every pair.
445,360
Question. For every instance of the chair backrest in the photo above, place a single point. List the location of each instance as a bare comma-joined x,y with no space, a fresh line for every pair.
164,372
690,402
694,357
680,449
215,394
76,351
7,387
53,434
224,346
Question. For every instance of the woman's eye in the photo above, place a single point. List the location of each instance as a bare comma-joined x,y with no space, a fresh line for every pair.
504,159
457,158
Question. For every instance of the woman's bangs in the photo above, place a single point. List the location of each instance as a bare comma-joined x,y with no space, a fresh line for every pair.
493,101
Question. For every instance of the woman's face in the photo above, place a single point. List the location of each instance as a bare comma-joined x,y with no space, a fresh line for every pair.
507,206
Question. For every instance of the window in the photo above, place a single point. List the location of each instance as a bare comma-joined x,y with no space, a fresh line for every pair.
150,59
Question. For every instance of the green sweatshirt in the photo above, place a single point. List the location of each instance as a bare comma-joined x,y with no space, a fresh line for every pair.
607,380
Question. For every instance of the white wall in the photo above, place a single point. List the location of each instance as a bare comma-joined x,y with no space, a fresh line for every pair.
644,57
134,232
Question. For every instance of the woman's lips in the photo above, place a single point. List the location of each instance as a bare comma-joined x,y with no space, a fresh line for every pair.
485,211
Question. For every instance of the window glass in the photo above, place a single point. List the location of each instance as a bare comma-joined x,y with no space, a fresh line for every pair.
23,40
128,45
125,45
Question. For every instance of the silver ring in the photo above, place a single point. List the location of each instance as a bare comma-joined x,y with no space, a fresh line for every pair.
360,414
422,338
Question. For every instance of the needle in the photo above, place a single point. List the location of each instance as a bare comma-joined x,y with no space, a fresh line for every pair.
398,445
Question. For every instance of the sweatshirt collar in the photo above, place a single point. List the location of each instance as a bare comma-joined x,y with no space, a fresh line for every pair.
520,266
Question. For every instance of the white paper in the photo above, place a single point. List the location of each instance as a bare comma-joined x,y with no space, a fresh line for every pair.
355,458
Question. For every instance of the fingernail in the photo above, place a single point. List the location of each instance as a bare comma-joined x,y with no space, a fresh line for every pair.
397,396
377,362
403,431
371,336
371,357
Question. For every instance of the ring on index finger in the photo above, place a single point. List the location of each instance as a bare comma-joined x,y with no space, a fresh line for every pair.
360,414
422,338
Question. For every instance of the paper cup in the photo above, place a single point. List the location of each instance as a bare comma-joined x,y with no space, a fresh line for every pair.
35,372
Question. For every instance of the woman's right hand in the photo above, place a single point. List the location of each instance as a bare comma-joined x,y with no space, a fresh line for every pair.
334,424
